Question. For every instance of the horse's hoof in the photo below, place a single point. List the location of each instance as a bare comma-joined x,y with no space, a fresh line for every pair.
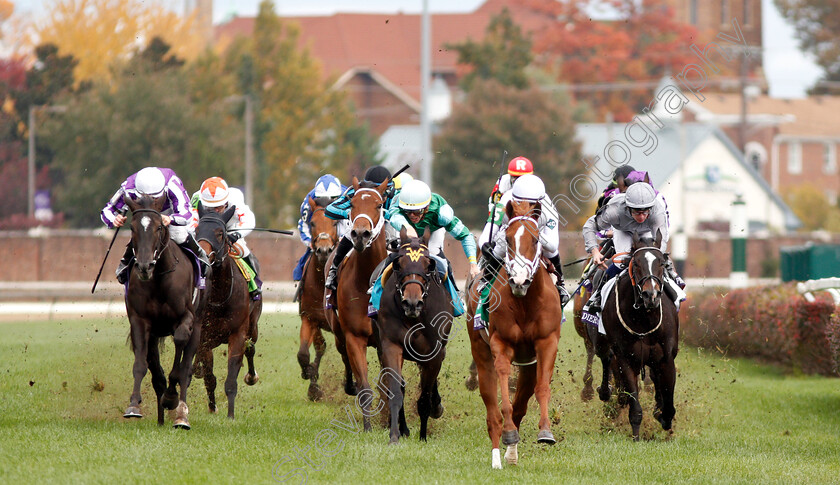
471,383
133,412
198,371
636,437
169,401
666,423
512,455
350,389
315,393
437,412
181,424
496,459
251,379
545,437
587,394
604,393
394,441
510,437
212,409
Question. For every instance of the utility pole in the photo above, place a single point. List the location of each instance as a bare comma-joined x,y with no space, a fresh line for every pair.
742,126
425,75
249,143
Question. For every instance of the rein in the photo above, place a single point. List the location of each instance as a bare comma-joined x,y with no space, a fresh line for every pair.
637,288
375,228
165,244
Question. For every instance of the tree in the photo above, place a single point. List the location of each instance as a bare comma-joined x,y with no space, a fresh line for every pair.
817,25
494,118
503,54
101,32
304,129
644,45
147,117
812,208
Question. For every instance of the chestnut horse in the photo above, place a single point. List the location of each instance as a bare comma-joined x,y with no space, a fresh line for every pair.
415,320
524,328
230,316
161,300
348,318
642,329
311,304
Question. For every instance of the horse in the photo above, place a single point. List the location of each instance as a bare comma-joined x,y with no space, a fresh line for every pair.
161,299
415,319
642,329
231,316
524,329
348,318
311,304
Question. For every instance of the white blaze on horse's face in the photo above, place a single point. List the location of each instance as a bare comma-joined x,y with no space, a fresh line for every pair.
650,258
146,221
519,271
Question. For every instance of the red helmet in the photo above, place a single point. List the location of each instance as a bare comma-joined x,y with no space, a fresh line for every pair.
520,166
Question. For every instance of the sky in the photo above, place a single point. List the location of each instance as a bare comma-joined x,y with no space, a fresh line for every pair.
789,71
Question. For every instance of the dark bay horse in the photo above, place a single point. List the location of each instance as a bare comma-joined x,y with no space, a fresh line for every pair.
311,305
349,319
524,328
161,300
415,319
230,316
642,329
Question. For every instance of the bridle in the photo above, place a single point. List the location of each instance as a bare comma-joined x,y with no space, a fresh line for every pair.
163,240
518,259
220,256
416,277
322,235
637,289
375,228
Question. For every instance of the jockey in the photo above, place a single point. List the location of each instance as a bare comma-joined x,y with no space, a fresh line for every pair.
215,194
531,189
517,167
326,190
417,210
340,210
638,211
155,182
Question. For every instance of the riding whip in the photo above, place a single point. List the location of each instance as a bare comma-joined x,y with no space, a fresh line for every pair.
262,229
498,182
105,259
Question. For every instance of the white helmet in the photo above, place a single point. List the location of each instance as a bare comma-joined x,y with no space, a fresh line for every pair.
214,192
402,179
327,186
640,196
415,195
150,181
528,188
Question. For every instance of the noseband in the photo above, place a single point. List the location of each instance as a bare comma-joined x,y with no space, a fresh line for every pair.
637,285
375,228
162,245
417,277
322,235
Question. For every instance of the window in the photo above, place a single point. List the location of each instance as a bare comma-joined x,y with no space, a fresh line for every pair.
829,158
724,12
692,12
745,13
794,157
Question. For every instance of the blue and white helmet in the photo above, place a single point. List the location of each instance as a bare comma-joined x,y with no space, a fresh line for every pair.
327,186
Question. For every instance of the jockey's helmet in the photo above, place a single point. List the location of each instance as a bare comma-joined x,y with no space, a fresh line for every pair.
415,196
640,196
150,181
528,188
520,166
402,179
377,174
214,192
327,186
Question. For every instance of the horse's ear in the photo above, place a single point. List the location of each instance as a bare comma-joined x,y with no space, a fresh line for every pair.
536,212
636,240
355,183
157,203
658,242
132,205
201,210
509,209
229,213
383,186
432,265
312,205
403,235
427,234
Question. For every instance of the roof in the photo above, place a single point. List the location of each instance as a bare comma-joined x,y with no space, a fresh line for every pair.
390,43
812,116
666,158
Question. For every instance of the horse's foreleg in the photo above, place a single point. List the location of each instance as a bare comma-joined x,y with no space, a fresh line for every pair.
187,337
158,376
391,381
341,345
236,350
251,377
428,383
357,355
630,379
504,355
204,357
546,356
306,335
667,381
488,388
524,390
587,392
472,379
315,392
140,342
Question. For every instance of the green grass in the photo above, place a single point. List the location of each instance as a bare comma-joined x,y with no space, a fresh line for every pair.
65,384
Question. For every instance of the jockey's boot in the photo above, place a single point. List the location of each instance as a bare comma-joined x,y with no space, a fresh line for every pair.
203,263
594,303
561,283
254,263
491,269
672,272
125,263
341,251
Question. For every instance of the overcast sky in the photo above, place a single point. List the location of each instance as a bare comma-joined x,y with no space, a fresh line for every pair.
789,71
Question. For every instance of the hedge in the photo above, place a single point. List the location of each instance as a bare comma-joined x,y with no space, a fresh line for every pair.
773,323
